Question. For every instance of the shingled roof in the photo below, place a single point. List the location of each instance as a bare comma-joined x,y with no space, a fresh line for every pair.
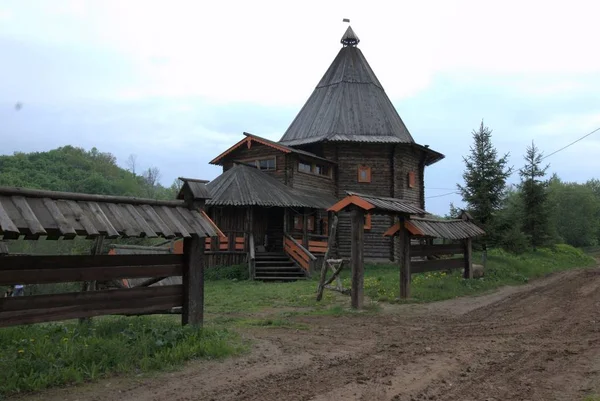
243,185
349,104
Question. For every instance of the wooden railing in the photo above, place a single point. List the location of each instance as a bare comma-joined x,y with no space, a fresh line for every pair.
317,244
232,241
74,268
299,253
448,262
251,257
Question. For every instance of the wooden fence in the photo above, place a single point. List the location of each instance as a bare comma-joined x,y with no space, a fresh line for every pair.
75,268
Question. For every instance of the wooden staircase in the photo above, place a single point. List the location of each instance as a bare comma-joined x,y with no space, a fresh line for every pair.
277,266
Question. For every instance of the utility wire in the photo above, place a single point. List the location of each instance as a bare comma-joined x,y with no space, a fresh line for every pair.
572,143
439,196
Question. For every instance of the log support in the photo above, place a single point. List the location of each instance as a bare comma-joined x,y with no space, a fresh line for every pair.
468,256
357,258
404,260
193,281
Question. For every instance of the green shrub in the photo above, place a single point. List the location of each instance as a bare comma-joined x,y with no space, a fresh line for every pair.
236,272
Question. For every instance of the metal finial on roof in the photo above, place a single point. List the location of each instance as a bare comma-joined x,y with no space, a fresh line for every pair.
350,38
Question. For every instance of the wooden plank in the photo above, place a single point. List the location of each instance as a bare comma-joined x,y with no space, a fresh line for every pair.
357,258
36,193
64,228
34,226
101,218
80,216
122,218
439,264
141,221
193,281
89,297
180,228
158,222
430,250
7,228
111,307
73,268
404,260
468,258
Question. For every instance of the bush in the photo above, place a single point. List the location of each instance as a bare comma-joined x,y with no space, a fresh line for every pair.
236,272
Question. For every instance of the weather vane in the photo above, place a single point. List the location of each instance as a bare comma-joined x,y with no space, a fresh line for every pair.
346,20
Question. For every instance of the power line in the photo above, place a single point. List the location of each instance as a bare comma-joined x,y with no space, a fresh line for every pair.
572,143
439,196
447,189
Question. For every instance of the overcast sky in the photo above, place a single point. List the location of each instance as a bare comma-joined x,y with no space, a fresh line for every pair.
177,82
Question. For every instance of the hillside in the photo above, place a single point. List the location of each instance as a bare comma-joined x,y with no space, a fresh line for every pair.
77,170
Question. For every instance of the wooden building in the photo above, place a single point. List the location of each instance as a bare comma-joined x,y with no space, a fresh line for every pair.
348,137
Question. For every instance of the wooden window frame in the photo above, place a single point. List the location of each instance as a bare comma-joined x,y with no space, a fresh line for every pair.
313,166
298,222
368,221
310,223
411,179
367,169
325,224
256,161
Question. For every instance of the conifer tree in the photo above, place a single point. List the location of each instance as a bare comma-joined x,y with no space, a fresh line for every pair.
534,192
485,178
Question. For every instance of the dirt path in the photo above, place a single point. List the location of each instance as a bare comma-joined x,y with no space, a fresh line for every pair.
536,342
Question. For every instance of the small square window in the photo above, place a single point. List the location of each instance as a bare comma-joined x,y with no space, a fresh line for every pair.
310,223
364,174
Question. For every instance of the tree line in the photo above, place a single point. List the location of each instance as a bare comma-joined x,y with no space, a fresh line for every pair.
539,211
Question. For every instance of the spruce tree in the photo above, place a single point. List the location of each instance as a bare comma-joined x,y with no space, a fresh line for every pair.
534,192
484,180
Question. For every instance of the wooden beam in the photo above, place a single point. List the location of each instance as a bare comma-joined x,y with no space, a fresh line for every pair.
305,228
193,281
443,249
357,257
438,264
404,260
330,245
7,227
468,258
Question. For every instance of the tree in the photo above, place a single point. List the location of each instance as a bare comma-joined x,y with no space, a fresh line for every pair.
485,179
132,163
534,193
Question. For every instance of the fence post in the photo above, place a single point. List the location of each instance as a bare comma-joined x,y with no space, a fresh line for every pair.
193,281
404,260
468,255
357,256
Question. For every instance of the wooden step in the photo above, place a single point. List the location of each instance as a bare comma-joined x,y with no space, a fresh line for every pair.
282,278
277,268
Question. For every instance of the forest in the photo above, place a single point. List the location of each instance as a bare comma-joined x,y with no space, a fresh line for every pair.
540,211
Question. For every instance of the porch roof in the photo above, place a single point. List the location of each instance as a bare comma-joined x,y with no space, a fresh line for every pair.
377,204
243,185
438,228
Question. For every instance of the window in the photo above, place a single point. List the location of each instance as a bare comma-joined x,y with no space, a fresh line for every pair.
364,174
305,167
367,222
324,229
310,223
298,222
266,164
411,179
322,170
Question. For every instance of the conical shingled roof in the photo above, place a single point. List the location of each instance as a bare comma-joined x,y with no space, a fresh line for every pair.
348,104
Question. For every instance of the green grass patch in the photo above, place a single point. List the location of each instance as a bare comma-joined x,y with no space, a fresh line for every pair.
46,355
272,322
592,398
381,282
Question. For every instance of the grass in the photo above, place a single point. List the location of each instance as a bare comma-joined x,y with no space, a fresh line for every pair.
46,355
592,398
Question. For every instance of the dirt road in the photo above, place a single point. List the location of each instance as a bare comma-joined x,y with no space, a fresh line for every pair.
536,342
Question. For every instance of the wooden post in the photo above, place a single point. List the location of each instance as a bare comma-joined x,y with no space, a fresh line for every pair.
92,285
193,281
330,245
357,256
468,254
286,220
404,260
305,228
